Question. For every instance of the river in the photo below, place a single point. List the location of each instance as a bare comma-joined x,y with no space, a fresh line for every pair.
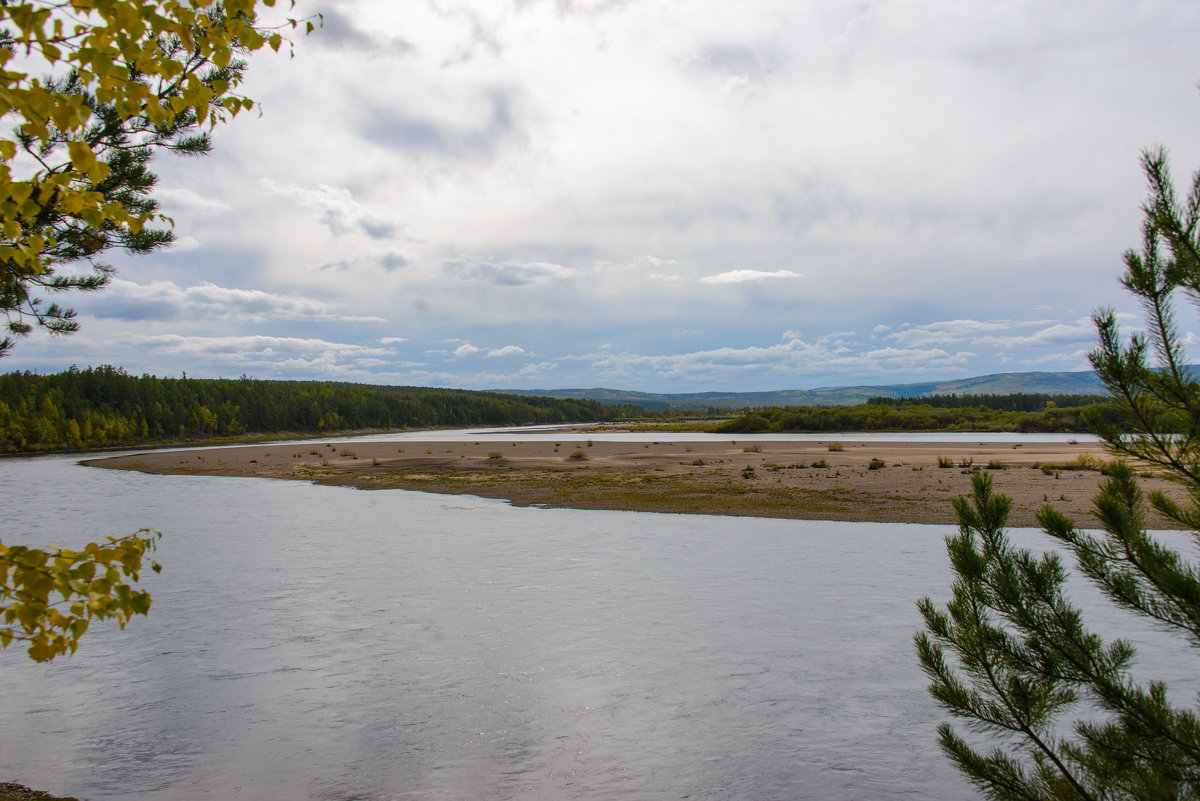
324,643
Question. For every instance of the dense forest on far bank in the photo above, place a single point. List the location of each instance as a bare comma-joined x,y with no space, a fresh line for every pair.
105,407
1025,412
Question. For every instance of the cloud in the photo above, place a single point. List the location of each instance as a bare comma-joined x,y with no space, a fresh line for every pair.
1016,333
181,198
392,340
183,244
742,276
393,261
338,32
735,59
340,211
1074,360
792,358
950,331
465,349
488,126
1080,331
507,350
504,274
537,368
165,300
566,173
287,355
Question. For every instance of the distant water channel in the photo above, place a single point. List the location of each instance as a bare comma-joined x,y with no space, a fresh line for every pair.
324,643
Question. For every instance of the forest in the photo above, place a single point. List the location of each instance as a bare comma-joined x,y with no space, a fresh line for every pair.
1018,412
106,407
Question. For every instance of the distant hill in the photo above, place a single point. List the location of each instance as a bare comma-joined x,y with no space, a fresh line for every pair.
1081,383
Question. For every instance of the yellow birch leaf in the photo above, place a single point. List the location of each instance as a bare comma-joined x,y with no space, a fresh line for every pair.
82,157
98,172
72,203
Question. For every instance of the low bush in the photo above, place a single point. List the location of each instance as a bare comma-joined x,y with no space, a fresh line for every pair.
1084,461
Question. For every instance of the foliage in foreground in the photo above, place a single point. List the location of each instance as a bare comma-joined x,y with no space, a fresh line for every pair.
125,78
1010,654
1026,660
48,598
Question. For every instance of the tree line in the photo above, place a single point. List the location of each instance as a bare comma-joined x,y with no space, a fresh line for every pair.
105,407
1012,402
935,413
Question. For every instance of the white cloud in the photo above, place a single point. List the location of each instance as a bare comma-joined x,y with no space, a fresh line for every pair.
176,197
742,276
465,349
392,340
949,331
537,368
262,356
507,350
793,358
184,243
1074,360
261,345
1080,331
165,300
1016,334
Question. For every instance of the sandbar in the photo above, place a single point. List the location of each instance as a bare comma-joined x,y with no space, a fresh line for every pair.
813,480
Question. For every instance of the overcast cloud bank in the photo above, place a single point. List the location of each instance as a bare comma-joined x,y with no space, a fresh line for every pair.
661,196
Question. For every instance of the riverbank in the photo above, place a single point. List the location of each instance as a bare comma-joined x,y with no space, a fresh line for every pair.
18,792
204,442
898,482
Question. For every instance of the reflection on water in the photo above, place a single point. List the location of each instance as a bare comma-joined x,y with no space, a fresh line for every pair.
323,643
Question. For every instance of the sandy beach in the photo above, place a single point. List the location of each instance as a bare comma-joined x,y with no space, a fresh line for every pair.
823,480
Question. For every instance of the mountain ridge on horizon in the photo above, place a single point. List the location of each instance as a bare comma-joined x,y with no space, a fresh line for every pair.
1084,382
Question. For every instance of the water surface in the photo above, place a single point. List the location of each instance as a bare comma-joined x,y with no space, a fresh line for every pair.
312,642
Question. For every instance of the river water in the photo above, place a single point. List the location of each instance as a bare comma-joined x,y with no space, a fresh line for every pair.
325,643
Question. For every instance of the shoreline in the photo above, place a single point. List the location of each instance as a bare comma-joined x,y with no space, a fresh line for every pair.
810,479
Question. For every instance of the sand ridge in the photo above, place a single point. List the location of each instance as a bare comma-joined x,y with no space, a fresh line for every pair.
820,480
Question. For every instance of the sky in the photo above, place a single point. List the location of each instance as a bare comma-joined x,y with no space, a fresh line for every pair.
661,195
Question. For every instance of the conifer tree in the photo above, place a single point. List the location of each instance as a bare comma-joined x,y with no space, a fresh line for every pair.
126,146
127,78
1010,654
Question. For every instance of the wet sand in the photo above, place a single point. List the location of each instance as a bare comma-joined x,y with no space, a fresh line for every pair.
799,480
